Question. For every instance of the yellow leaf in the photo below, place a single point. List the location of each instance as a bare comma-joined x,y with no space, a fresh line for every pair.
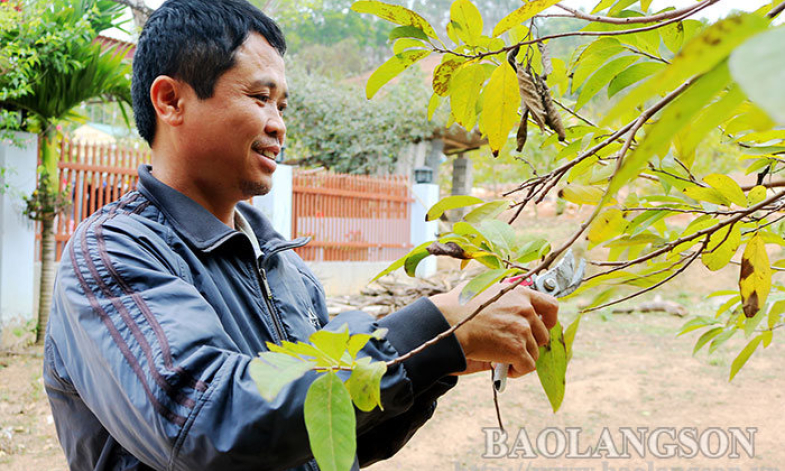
582,194
394,66
522,14
728,187
467,21
722,247
755,276
500,106
756,195
396,14
608,225
443,74
464,91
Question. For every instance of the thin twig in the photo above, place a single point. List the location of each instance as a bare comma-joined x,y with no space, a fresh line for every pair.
650,288
646,54
572,112
633,19
776,10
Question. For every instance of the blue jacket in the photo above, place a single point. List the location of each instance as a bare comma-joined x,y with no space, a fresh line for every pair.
159,308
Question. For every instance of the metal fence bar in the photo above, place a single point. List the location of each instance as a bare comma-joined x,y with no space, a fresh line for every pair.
351,217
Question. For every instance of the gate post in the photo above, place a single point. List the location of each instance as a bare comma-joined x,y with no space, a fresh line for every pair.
277,204
17,235
425,196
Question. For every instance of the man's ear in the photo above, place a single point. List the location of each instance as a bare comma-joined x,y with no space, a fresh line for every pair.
166,94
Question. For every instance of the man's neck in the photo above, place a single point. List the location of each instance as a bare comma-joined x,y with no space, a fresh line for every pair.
218,203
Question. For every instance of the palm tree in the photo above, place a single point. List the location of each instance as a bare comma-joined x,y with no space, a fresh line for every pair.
84,72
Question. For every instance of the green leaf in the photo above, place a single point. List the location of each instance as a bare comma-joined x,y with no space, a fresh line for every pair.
410,265
500,106
696,323
522,14
392,68
722,247
674,117
450,202
552,367
705,338
569,335
758,66
728,187
700,55
602,77
480,283
395,14
365,384
433,105
709,195
467,21
592,58
330,421
331,343
487,211
407,32
403,44
632,75
500,234
755,276
300,349
752,323
273,371
775,312
401,261
723,337
710,118
744,355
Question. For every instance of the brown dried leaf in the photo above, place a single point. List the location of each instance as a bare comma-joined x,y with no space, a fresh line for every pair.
530,97
552,117
523,129
545,56
450,249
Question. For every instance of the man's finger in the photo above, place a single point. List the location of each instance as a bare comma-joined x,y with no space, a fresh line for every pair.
546,306
524,365
541,334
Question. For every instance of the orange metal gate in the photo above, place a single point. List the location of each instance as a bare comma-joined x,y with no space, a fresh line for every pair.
96,174
351,217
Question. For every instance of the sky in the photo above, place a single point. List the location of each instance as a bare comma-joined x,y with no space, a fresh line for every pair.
713,12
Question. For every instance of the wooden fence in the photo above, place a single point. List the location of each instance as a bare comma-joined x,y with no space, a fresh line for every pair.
96,174
351,217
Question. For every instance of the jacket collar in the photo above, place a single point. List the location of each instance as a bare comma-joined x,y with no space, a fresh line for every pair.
198,225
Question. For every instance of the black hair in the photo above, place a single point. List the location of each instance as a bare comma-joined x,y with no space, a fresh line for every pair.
193,41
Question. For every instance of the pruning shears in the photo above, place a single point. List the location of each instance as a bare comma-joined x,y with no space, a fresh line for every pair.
559,281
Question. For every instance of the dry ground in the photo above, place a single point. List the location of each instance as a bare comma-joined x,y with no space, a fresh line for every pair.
627,371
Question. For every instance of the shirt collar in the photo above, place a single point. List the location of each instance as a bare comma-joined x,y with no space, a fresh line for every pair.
195,223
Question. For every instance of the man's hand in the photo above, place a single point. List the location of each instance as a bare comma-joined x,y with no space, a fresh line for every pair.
508,331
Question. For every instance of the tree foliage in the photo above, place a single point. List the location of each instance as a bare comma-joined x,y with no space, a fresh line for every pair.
332,125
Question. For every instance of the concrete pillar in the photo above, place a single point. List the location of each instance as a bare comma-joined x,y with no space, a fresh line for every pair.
425,196
17,234
277,205
461,183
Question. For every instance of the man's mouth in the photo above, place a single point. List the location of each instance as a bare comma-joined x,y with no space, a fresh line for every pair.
269,152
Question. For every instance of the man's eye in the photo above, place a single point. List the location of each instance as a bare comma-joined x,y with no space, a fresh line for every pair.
262,98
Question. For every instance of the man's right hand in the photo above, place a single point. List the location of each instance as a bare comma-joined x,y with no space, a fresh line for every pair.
508,331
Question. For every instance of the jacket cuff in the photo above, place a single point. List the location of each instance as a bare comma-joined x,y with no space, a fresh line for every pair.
411,327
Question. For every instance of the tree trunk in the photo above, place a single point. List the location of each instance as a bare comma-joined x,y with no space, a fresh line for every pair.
47,278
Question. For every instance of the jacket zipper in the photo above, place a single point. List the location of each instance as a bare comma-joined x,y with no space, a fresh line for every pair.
268,298
265,285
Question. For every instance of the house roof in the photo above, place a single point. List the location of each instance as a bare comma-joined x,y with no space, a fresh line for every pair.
107,42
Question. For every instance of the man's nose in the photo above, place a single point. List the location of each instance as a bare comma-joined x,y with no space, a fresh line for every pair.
275,126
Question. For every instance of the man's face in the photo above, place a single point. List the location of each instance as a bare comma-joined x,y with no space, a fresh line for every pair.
234,136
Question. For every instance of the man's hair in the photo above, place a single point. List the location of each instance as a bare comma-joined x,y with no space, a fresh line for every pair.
193,41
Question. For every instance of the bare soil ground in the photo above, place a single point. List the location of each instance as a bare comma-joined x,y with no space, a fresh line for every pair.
627,371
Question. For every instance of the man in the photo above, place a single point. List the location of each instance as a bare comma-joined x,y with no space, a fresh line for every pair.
163,298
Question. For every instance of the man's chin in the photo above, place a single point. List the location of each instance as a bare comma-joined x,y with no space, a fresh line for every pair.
251,189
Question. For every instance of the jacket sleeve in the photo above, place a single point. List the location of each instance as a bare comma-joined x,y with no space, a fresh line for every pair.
149,357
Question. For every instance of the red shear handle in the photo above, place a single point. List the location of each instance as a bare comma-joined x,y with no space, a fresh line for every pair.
527,282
